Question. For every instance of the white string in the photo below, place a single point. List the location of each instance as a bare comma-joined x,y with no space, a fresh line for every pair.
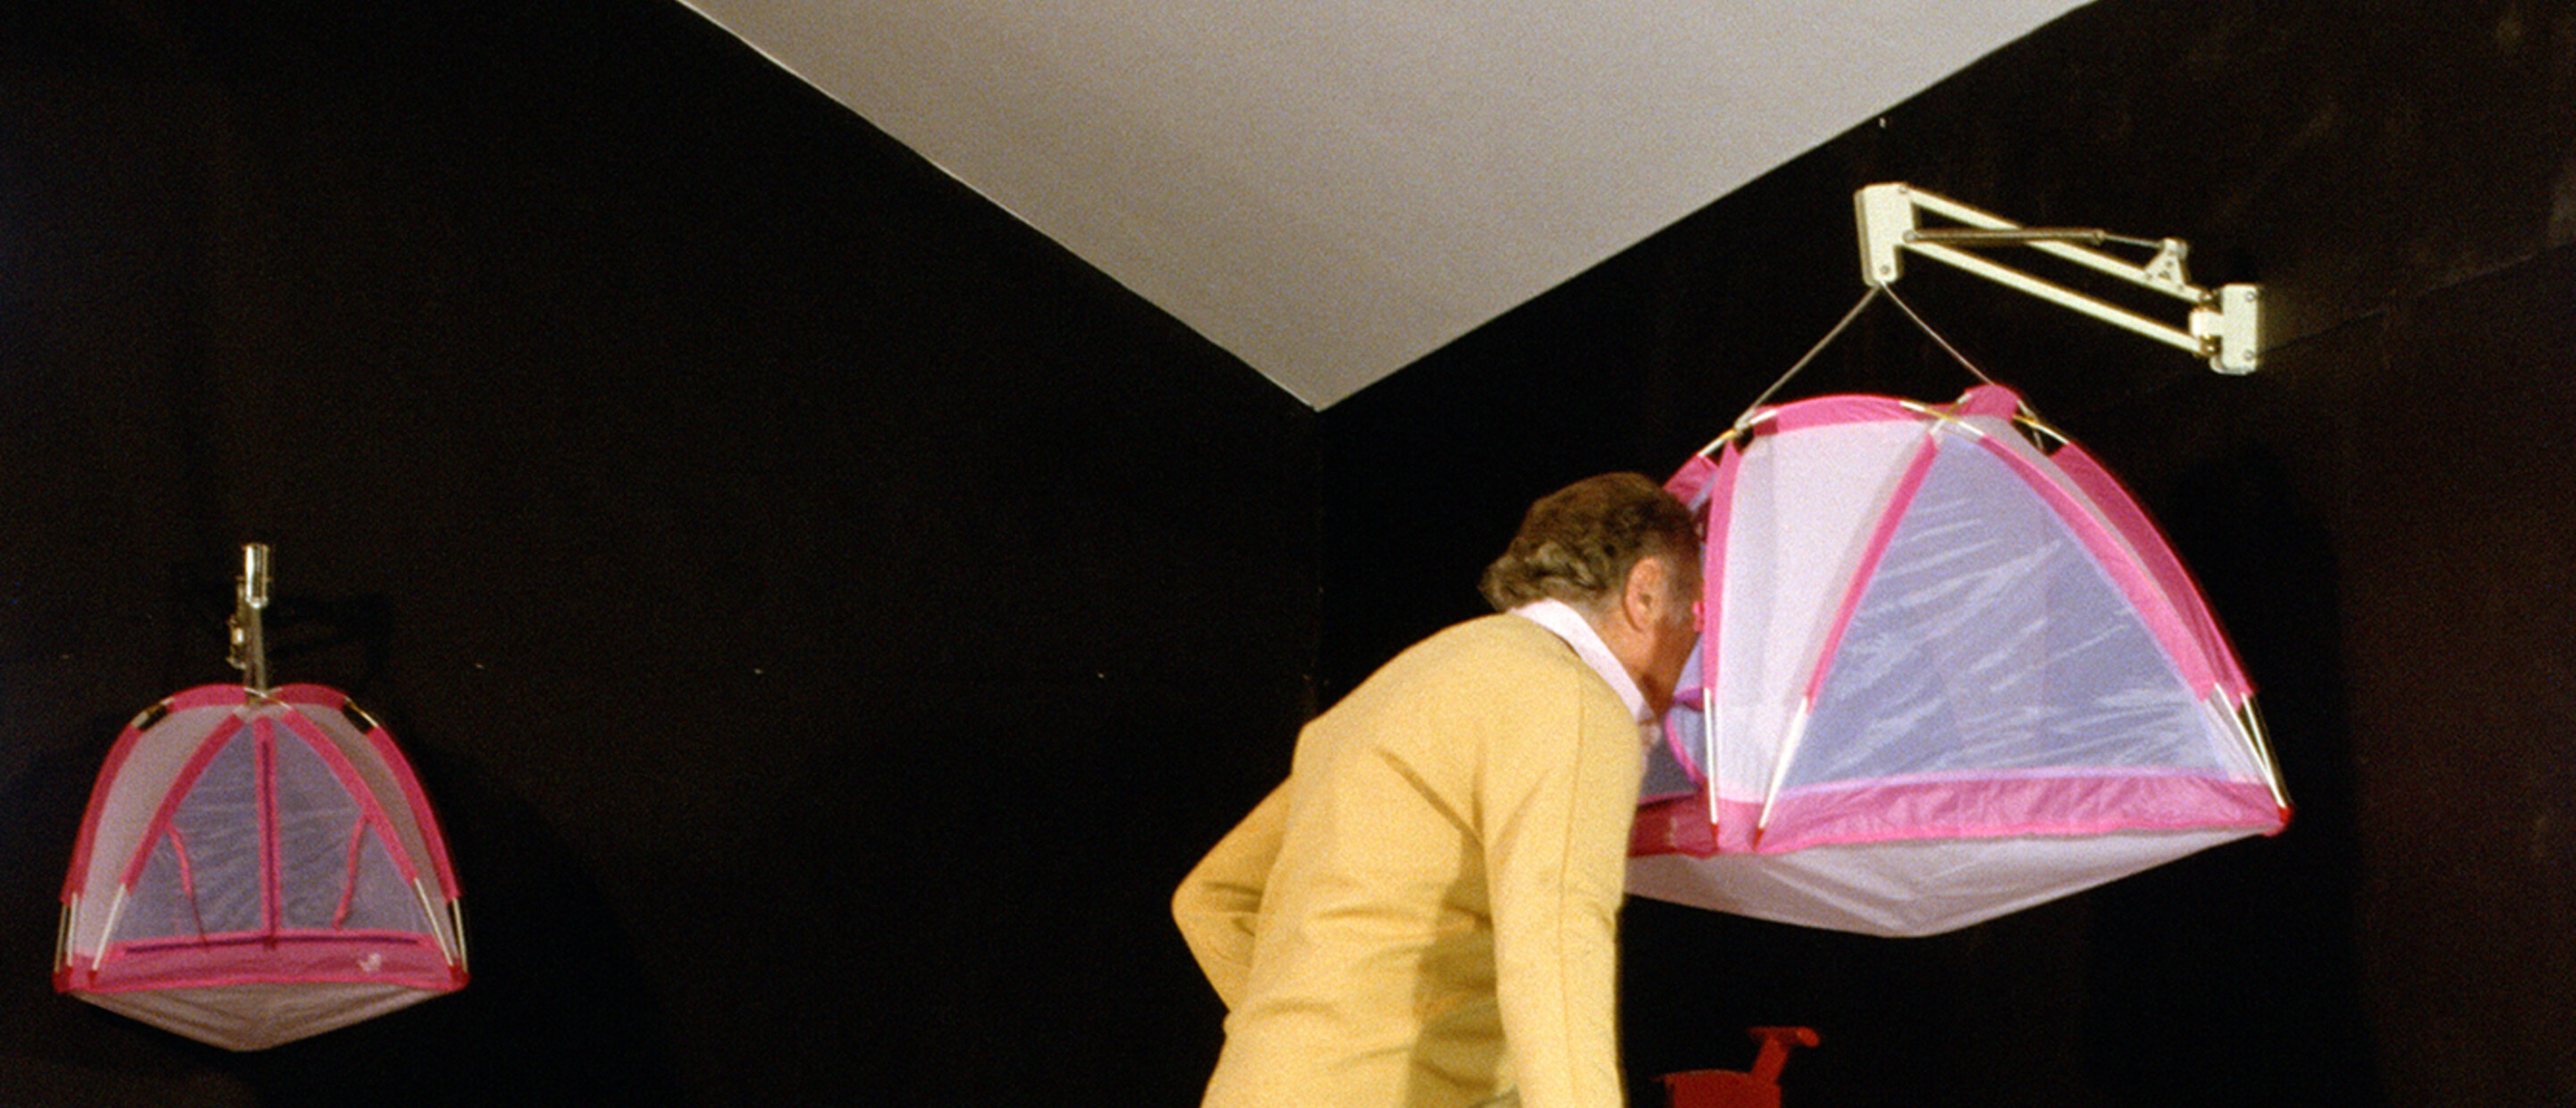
1839,327
1810,356
1936,336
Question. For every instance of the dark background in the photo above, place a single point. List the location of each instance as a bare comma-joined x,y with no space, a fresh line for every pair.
830,617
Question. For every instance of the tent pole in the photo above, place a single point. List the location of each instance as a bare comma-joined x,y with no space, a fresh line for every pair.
1780,769
1708,746
107,932
2253,723
63,932
430,913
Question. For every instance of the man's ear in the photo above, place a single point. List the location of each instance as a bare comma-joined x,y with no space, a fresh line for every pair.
1642,601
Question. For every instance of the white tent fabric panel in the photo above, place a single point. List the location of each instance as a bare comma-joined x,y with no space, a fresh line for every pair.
1800,530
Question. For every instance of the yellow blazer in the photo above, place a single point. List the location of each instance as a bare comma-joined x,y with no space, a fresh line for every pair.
1426,913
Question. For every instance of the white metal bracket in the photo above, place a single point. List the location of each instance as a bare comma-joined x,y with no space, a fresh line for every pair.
2224,325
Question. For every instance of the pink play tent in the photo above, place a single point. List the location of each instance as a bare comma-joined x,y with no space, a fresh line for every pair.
1947,670
258,865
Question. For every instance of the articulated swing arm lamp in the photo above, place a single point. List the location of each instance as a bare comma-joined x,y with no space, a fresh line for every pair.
2224,325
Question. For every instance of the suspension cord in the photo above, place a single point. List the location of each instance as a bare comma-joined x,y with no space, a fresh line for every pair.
1936,336
1838,328
2028,413
1810,356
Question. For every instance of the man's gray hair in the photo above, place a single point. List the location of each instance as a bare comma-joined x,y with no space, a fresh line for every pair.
1578,543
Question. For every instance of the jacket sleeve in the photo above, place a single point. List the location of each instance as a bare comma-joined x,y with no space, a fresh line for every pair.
1218,906
1557,801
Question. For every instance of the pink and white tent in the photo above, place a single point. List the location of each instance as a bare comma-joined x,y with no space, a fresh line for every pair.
256,866
1948,670
254,869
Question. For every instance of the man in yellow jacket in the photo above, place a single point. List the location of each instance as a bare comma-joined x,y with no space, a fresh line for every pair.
1425,914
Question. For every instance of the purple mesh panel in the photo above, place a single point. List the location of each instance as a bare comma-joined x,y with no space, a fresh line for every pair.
217,823
315,818
1990,642
378,897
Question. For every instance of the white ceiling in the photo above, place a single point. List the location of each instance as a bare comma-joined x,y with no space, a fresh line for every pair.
1331,189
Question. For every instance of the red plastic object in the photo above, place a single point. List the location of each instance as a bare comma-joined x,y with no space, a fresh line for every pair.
1733,1089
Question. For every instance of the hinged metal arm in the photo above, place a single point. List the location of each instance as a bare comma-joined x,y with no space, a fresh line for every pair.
2224,325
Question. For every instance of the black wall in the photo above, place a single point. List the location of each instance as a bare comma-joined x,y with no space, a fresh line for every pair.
814,601
2380,516
830,617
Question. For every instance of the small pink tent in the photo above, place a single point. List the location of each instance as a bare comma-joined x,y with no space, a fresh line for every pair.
1948,670
258,865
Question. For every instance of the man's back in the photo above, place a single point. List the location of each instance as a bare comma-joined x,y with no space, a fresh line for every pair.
1448,867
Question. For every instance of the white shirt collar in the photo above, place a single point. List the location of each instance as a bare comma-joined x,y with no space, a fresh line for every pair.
1568,624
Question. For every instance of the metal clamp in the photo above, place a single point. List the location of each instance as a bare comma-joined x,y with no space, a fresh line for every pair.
250,599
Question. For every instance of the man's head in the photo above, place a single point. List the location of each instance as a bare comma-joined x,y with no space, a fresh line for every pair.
1623,552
